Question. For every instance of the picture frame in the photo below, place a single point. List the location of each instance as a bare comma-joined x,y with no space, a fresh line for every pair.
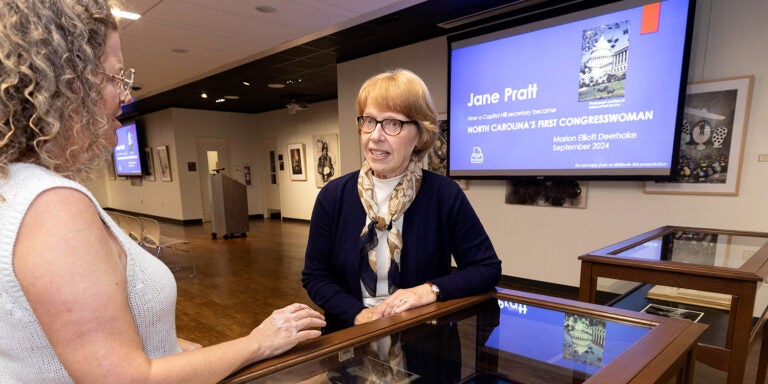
297,165
711,140
248,175
164,162
663,310
111,167
326,158
436,160
150,159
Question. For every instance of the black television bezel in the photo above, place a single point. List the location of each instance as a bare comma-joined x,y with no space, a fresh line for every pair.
565,10
141,140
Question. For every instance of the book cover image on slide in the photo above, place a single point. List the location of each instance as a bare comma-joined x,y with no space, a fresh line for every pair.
604,59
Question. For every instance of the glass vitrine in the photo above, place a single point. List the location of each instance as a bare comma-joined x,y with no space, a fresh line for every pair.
507,337
712,276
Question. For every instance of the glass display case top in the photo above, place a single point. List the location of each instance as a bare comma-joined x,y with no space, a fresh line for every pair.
489,341
698,247
573,342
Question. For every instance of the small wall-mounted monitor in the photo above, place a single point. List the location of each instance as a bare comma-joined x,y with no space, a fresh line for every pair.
129,151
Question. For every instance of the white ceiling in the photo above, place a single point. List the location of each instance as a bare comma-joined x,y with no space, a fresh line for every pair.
221,34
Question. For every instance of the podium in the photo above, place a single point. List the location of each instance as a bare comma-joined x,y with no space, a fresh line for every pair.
229,206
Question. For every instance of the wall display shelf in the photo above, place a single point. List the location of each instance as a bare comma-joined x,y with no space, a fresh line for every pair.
706,264
502,337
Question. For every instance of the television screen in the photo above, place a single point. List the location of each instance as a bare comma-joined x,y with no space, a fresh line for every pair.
129,151
593,94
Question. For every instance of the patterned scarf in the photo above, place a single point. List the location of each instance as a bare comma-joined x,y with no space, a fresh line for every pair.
401,198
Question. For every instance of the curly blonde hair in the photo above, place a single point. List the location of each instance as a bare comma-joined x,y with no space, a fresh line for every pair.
51,108
402,91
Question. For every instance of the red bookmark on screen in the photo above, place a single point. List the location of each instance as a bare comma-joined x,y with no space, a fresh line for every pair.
650,18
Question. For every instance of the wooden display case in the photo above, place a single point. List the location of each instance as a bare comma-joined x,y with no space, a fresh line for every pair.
707,264
502,337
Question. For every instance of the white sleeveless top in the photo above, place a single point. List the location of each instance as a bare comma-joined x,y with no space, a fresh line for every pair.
26,356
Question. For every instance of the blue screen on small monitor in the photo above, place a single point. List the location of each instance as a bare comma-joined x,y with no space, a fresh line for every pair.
128,152
591,94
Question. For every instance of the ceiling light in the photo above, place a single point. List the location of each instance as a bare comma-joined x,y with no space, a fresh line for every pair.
125,15
296,81
204,95
220,100
232,97
246,83
265,9
276,85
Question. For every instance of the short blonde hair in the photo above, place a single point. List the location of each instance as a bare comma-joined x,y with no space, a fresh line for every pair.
402,91
51,108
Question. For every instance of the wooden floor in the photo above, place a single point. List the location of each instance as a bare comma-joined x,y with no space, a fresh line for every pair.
240,281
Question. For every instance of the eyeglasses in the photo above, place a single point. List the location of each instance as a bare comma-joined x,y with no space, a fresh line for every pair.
391,127
124,83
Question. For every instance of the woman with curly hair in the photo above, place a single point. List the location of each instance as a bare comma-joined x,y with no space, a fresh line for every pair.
79,300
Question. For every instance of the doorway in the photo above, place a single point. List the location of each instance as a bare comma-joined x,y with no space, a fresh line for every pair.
213,154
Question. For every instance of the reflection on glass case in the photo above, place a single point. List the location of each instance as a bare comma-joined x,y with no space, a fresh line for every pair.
509,337
572,343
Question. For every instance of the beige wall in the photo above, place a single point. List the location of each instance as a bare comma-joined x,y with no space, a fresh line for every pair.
543,243
538,243
245,134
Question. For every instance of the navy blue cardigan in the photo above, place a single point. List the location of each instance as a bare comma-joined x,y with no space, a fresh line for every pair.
439,223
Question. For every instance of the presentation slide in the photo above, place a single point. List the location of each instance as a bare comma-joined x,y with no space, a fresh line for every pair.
591,96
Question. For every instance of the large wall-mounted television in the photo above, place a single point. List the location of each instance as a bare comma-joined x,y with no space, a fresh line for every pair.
595,93
129,152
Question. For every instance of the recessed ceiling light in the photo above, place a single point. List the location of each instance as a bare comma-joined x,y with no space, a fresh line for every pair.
246,83
231,97
180,50
276,85
265,9
125,15
204,95
220,100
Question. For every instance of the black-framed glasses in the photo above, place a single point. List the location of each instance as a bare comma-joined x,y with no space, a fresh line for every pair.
391,127
124,83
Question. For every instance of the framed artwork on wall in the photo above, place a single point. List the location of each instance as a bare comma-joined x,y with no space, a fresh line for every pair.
326,158
150,175
436,160
297,162
272,167
714,129
111,167
164,162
